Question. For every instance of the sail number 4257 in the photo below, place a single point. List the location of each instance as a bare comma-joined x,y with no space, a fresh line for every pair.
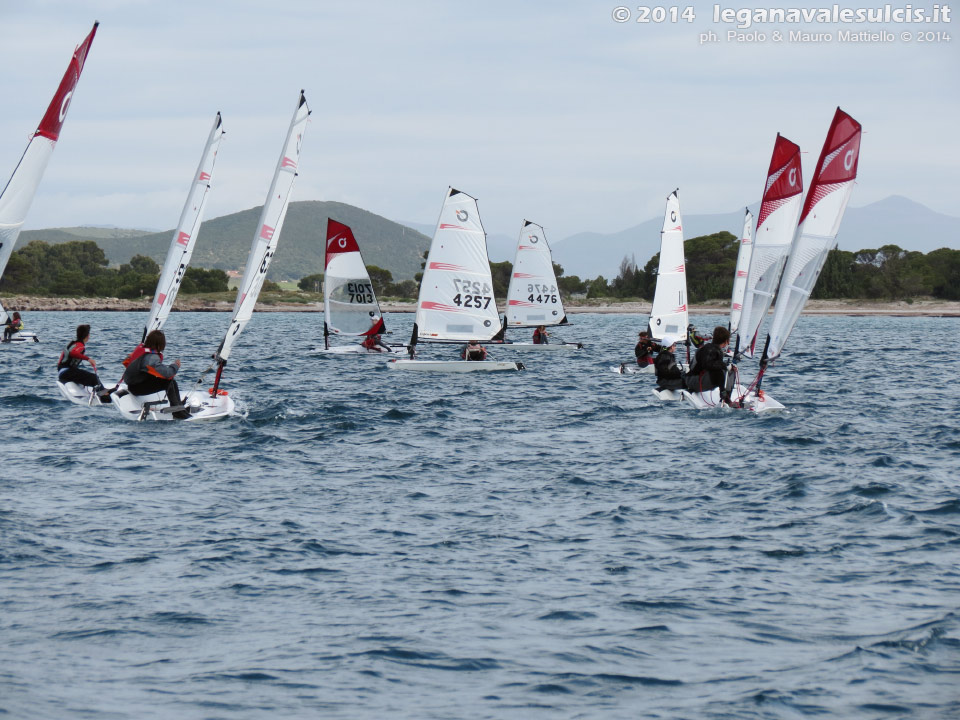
472,294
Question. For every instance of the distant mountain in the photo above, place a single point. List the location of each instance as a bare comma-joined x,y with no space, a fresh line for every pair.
895,220
225,241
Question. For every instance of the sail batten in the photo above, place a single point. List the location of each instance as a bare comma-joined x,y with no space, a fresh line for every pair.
533,297
267,234
779,209
18,193
456,293
185,235
816,236
668,315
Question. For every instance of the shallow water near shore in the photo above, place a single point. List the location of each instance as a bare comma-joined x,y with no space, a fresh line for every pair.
363,543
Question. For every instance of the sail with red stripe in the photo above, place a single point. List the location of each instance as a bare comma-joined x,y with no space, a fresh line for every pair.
533,297
185,236
17,196
668,316
816,236
782,196
350,305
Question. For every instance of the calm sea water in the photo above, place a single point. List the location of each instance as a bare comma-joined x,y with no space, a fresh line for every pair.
362,543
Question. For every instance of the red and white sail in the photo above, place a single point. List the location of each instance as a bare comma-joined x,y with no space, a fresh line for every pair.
456,294
267,234
816,236
185,236
350,305
18,194
740,274
782,196
533,297
668,316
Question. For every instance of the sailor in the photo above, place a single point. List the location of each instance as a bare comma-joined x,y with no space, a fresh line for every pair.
12,326
147,374
695,338
374,343
68,365
474,351
708,370
644,349
669,375
541,336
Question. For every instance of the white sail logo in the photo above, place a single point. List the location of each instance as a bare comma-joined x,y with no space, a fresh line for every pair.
65,105
792,177
462,215
848,159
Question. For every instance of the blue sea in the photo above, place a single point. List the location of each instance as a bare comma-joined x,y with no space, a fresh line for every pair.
555,543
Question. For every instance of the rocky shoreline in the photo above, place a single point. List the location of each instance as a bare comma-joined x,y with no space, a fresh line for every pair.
923,307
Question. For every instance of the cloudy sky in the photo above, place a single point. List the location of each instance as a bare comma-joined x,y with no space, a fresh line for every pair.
551,110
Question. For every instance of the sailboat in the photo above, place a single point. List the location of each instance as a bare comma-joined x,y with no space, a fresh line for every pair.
816,235
17,196
533,298
456,303
178,256
744,252
216,403
668,314
350,304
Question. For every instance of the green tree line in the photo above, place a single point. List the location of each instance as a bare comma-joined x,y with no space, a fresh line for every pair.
80,269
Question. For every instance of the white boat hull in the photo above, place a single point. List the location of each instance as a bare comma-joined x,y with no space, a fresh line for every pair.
711,399
344,350
632,369
151,407
668,395
527,347
80,394
454,366
24,336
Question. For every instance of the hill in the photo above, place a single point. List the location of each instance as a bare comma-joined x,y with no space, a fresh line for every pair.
225,241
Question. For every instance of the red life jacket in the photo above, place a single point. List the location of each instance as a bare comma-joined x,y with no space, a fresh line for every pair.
137,352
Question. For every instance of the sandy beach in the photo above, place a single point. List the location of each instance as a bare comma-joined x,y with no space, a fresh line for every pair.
921,307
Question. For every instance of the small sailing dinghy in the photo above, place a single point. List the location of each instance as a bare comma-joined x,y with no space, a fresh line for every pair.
215,403
816,235
533,298
178,256
350,304
456,303
17,196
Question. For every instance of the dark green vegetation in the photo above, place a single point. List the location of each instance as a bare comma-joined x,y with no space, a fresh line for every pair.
79,268
224,242
889,273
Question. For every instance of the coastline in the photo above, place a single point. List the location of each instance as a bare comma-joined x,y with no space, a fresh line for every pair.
922,307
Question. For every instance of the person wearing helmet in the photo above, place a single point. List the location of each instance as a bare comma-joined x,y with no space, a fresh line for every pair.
669,375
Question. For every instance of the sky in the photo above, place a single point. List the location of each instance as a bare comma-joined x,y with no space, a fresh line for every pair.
551,111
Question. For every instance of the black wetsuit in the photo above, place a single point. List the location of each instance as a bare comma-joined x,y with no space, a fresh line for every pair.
147,375
708,370
669,375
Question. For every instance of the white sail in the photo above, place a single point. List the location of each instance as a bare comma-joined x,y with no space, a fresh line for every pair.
456,294
668,316
779,209
185,236
267,234
740,275
533,297
17,196
350,305
816,236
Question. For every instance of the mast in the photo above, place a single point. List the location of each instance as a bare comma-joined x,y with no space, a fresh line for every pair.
185,236
267,234
17,195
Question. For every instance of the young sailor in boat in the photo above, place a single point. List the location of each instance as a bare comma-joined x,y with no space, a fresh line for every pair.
68,366
541,336
645,349
374,343
474,351
669,375
146,374
12,326
708,370
695,338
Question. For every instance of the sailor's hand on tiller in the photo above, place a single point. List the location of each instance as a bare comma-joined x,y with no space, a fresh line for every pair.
177,362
